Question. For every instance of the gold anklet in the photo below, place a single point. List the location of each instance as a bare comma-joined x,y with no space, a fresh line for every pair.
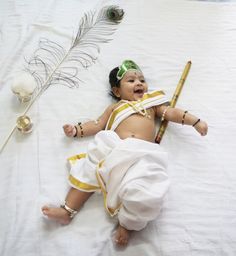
70,211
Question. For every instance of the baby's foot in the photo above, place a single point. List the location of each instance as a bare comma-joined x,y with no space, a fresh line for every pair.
122,236
58,214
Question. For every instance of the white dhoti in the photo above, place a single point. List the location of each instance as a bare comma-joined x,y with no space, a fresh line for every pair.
130,173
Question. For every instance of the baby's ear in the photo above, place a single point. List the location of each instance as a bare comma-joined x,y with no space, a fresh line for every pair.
116,91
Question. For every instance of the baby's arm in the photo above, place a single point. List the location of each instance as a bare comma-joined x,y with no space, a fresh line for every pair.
182,117
90,127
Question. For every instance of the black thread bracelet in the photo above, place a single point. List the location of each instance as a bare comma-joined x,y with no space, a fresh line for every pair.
197,122
76,131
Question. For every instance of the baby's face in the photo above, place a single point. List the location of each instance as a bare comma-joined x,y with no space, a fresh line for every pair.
132,86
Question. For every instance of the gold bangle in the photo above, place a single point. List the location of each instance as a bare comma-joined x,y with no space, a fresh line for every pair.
81,130
183,118
164,113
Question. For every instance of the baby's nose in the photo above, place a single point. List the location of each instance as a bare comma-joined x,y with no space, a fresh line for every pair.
138,82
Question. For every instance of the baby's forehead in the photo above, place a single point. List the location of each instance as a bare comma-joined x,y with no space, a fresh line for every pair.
133,73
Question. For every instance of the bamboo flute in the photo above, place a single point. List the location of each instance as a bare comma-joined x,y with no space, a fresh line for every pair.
174,100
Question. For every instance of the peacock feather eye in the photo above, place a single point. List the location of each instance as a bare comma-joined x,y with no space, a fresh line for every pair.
114,14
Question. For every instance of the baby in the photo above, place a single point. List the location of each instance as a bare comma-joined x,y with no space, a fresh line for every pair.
123,161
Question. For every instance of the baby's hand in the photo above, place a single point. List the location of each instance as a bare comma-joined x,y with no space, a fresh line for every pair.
69,130
202,128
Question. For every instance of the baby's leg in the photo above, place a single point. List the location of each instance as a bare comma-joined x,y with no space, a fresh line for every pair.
74,201
122,235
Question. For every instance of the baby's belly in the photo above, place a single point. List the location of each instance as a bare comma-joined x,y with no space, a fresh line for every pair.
138,135
137,126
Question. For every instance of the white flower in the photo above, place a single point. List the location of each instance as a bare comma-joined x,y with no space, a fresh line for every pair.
23,86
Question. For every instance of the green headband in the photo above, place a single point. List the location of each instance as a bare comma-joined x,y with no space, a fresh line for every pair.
126,66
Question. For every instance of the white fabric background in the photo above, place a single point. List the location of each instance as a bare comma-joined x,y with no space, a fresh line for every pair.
199,213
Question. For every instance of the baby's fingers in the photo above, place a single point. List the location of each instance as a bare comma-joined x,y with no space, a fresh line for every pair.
68,129
203,129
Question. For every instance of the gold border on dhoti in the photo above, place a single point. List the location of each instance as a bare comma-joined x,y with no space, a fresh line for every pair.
77,183
73,159
83,186
92,188
111,211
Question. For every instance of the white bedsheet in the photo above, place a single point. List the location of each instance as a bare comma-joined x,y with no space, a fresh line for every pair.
199,213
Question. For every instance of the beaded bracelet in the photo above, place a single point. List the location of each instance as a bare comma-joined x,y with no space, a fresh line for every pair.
81,130
183,118
164,113
197,122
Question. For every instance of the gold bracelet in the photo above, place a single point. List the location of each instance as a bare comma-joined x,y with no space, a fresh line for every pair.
81,130
164,113
183,118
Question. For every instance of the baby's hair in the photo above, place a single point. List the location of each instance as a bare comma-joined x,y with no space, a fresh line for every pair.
114,82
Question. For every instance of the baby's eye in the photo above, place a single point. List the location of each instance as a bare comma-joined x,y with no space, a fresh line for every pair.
131,80
142,80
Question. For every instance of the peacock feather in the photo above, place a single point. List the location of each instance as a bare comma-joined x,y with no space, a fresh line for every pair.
52,63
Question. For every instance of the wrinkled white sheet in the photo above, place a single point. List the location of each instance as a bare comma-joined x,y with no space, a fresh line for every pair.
199,213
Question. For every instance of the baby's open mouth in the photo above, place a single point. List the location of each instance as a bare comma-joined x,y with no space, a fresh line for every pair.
139,91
